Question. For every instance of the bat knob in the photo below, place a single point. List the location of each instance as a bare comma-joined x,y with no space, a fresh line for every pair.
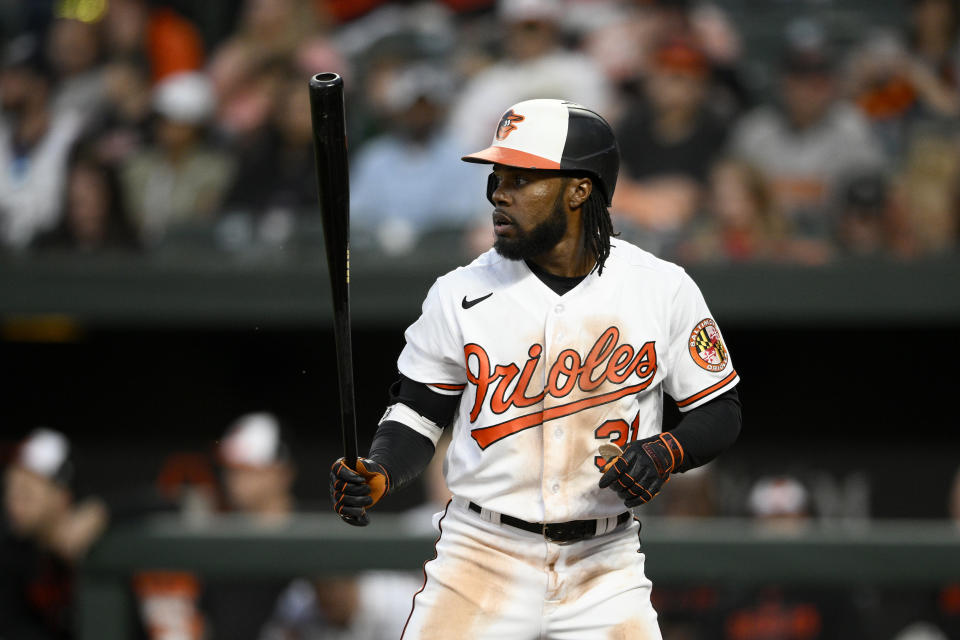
326,79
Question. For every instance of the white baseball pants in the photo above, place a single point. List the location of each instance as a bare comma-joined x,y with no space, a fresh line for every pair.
493,581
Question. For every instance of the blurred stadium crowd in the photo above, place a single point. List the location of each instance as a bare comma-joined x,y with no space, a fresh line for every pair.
125,127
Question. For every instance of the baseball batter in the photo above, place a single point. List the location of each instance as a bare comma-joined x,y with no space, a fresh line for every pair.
556,342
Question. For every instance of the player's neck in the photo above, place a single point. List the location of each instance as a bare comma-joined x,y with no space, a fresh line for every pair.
566,261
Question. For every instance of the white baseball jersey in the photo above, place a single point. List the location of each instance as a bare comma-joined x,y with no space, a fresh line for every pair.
546,379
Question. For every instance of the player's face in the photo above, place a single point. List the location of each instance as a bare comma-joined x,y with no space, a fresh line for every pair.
530,217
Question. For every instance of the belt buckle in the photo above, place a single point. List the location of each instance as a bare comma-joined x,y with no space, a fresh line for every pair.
564,532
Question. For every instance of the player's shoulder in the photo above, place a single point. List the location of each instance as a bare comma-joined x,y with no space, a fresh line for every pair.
630,257
489,266
645,269
488,271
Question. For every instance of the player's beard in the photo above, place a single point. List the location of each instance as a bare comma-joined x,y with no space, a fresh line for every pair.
539,240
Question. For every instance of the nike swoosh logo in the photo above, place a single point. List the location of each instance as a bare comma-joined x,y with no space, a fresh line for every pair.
466,304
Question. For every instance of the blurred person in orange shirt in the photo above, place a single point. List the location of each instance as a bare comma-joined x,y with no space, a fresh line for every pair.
158,35
44,532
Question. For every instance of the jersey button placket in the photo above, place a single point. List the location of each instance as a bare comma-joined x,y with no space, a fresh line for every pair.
553,431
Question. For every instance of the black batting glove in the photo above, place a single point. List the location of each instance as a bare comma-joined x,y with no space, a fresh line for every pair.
638,474
353,492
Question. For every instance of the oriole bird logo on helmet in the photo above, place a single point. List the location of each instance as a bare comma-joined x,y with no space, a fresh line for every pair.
507,124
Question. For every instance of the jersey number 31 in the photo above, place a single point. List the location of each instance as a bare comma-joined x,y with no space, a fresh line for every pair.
618,432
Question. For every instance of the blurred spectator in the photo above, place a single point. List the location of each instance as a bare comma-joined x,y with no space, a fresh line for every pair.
865,222
926,195
276,180
168,42
810,142
267,37
920,614
371,605
895,89
124,123
535,65
258,479
74,51
181,180
781,504
668,142
94,216
740,222
408,181
245,102
34,145
44,532
622,38
391,38
934,26
716,34
258,469
168,605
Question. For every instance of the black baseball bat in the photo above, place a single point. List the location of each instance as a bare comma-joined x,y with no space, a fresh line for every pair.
330,150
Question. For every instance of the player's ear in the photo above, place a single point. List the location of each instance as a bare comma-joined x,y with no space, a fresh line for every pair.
578,190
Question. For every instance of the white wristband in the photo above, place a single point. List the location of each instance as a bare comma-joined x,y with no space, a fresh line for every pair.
403,414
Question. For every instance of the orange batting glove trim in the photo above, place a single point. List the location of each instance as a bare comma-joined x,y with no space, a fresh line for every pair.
377,478
676,451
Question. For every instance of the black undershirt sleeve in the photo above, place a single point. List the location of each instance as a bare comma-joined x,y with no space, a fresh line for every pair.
403,452
705,432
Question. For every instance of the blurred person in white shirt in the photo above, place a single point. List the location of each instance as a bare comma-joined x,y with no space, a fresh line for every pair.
35,144
535,65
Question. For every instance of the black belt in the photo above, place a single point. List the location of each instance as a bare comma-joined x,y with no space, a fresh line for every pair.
557,531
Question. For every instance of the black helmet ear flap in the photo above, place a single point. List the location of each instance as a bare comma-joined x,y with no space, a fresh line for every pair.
491,186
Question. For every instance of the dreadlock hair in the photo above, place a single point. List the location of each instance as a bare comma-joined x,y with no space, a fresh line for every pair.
597,227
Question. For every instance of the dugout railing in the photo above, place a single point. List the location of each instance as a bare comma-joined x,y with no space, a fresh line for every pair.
848,553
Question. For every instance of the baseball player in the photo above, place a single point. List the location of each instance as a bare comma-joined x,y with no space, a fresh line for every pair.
556,342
